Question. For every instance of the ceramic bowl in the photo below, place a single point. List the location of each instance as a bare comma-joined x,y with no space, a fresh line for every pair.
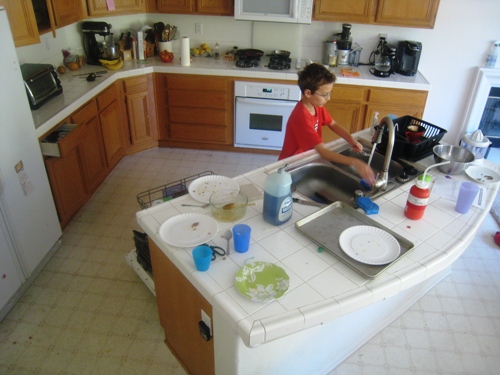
228,205
459,158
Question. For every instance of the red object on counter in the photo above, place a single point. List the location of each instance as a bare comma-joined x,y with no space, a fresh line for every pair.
418,199
497,238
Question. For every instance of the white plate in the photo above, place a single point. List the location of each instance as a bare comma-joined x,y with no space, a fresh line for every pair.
202,188
188,230
482,174
369,245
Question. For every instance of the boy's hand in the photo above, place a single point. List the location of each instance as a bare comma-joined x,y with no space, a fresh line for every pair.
365,172
356,146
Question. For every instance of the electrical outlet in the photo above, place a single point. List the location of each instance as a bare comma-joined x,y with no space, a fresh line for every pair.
206,319
383,36
198,28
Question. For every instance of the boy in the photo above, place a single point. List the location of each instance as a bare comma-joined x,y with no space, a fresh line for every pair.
303,130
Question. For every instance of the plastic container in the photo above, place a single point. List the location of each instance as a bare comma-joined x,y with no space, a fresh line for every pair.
278,202
477,143
491,61
405,149
418,198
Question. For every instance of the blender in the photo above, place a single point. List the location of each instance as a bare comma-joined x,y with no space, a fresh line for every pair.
92,48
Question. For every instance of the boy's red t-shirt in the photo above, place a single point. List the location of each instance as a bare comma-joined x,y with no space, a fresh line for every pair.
303,130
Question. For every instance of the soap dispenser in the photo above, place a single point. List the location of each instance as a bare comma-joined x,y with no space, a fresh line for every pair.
278,200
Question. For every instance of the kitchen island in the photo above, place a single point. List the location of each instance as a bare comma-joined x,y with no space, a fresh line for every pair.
329,310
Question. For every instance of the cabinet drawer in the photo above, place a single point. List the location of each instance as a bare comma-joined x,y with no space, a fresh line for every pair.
61,141
198,83
399,97
107,97
85,114
136,84
198,133
347,94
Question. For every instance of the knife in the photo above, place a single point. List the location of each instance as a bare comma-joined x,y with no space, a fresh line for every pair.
308,203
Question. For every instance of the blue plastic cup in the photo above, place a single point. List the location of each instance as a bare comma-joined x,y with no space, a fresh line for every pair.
241,236
202,256
466,195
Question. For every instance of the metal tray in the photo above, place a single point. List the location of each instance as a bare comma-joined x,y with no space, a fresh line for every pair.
325,226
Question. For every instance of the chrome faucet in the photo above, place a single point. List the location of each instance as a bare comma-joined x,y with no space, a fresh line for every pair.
383,176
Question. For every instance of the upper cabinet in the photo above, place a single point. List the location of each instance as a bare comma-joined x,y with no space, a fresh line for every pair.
408,13
209,7
100,7
66,12
22,21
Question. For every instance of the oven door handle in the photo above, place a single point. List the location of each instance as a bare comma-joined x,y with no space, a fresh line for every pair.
268,102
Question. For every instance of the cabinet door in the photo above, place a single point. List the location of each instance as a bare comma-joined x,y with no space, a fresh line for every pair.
22,21
345,10
139,99
67,12
347,115
216,7
100,7
179,306
68,184
408,13
176,6
93,157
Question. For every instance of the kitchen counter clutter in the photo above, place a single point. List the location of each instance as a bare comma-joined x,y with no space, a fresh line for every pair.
329,309
77,90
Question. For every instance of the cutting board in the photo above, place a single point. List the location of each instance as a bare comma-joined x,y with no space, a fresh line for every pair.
269,36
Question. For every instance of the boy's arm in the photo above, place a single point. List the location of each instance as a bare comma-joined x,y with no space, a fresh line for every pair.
336,128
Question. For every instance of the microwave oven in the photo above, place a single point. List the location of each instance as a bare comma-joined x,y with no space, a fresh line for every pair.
291,11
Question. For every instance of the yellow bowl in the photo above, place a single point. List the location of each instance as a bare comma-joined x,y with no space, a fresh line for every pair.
228,205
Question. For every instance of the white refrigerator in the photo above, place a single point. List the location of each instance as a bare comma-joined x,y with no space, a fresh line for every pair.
29,227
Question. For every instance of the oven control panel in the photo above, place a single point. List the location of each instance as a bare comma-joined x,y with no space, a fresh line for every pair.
267,91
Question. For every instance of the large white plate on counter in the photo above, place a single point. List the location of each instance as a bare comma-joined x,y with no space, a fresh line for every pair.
202,188
482,174
188,230
369,245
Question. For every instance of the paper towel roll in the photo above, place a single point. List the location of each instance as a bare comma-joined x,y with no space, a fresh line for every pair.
185,54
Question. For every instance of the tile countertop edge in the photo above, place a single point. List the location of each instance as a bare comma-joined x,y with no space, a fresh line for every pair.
342,304
45,121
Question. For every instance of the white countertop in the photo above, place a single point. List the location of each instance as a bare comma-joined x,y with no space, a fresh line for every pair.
77,91
321,287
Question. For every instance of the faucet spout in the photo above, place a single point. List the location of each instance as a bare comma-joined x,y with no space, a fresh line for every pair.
383,176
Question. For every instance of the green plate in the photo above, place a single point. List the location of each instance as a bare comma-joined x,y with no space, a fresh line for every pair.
262,281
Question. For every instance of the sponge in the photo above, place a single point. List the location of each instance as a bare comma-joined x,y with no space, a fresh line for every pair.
367,205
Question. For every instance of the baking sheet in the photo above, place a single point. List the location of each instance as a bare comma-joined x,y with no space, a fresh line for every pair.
325,226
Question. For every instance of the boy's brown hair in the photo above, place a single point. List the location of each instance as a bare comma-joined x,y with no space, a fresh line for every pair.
313,76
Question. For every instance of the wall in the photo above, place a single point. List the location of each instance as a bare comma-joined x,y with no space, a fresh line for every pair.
459,42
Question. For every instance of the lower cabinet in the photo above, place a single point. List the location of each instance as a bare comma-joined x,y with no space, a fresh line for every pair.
180,306
141,111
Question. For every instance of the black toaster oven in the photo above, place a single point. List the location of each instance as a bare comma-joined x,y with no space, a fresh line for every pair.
41,82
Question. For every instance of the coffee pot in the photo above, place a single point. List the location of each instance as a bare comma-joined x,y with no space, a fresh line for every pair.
385,63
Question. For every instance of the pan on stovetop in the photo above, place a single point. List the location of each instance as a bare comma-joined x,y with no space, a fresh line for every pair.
279,53
250,52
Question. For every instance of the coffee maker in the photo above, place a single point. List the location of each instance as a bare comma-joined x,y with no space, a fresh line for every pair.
386,62
92,48
408,57
344,43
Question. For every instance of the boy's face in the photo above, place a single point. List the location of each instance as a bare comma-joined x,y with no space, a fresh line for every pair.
319,97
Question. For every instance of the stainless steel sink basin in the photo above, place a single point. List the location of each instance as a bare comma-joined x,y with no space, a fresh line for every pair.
323,181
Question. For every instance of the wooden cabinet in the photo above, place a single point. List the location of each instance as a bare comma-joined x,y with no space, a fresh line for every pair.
66,12
408,13
353,107
179,306
100,7
141,111
113,124
22,21
210,7
199,110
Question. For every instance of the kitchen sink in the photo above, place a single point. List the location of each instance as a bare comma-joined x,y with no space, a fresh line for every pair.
326,182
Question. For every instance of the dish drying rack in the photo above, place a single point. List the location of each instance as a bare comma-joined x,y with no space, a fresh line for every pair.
138,258
169,191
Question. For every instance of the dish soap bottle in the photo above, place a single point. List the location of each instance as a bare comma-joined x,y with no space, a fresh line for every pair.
278,200
418,198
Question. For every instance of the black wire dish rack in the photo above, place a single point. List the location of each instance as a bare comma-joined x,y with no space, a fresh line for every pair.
148,199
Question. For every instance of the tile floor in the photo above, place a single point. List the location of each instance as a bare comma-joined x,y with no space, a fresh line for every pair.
89,313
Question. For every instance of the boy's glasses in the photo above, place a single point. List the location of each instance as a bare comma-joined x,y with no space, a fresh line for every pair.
324,96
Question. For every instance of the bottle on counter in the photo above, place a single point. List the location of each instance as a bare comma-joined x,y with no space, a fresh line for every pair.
374,123
418,198
278,200
216,53
333,55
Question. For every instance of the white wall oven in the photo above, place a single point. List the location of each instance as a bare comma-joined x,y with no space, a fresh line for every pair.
261,113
